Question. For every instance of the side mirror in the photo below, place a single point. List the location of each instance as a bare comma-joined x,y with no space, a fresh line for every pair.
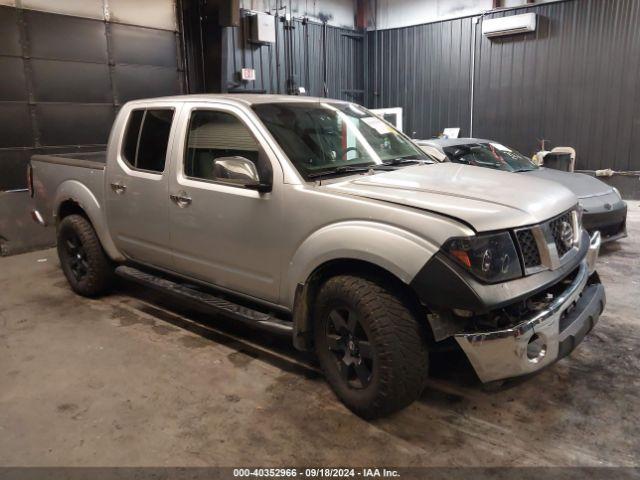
239,171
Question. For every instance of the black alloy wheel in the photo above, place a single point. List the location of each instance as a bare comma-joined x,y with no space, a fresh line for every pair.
370,344
88,269
349,344
76,256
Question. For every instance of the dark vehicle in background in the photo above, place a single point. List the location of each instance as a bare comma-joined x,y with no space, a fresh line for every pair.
603,207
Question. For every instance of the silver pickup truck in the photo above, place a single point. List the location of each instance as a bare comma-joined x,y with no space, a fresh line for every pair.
317,218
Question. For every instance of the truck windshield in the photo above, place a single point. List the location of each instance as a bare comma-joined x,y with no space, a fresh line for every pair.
490,155
335,138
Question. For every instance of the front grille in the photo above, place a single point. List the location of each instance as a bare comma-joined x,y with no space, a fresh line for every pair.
556,226
528,248
547,245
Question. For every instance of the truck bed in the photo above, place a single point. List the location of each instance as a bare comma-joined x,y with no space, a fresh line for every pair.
83,159
53,174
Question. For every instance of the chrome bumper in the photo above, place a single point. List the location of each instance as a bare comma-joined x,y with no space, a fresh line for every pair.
594,250
544,337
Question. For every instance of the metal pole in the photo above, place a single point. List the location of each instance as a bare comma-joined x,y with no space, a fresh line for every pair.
473,73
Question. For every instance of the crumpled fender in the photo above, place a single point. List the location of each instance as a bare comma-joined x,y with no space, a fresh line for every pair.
400,252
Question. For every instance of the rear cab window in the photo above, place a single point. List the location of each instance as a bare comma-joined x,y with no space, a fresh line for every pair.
147,138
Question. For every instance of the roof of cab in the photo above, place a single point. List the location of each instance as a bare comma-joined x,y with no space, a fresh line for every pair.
244,98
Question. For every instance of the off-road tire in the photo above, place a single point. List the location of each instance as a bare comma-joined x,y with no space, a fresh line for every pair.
397,338
99,276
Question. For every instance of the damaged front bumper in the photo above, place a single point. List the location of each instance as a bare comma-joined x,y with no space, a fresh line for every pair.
545,336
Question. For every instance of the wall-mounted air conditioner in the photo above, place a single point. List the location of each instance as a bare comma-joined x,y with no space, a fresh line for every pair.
496,27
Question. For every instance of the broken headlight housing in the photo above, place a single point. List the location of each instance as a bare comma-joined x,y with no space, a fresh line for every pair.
490,257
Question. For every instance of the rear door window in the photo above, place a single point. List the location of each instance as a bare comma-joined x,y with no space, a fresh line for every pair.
147,139
131,139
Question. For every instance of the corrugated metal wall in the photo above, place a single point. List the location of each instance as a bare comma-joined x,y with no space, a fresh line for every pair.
575,81
426,70
298,59
65,76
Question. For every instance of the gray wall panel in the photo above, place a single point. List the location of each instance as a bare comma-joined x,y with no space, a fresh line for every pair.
65,38
144,46
61,81
9,32
75,72
15,125
74,124
140,81
13,84
345,65
13,165
424,69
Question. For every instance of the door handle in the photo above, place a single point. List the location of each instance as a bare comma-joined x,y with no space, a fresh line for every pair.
118,188
181,199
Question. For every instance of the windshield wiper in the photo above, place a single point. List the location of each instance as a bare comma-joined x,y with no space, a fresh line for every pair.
338,170
405,161
365,168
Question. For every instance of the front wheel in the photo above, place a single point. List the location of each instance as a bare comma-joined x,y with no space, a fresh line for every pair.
88,269
370,346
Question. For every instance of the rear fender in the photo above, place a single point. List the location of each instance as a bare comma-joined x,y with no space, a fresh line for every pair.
77,192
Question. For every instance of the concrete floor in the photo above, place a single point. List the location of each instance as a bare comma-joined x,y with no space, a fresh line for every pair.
129,380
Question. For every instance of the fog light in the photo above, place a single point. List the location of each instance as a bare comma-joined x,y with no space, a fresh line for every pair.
536,348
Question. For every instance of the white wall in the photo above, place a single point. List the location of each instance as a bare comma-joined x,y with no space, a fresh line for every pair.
340,13
402,13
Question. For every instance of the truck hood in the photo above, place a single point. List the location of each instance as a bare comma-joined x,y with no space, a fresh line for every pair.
582,185
483,198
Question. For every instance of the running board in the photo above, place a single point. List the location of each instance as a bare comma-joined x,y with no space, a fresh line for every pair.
205,300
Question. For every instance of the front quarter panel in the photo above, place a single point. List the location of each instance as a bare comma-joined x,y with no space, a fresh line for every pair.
398,239
361,240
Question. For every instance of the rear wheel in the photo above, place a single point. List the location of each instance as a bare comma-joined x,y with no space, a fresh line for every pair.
370,345
88,269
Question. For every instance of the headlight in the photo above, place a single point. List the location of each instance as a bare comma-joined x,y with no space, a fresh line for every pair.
492,257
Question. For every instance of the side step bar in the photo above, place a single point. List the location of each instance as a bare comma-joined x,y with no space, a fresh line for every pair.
206,301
